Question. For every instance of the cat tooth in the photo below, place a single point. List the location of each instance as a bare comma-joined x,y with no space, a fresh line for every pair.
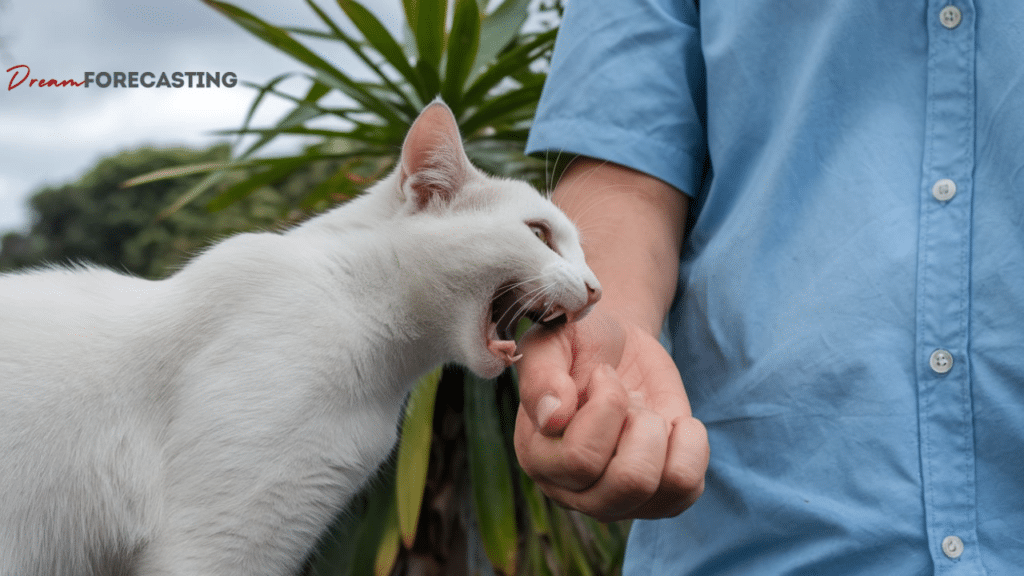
516,358
503,349
553,315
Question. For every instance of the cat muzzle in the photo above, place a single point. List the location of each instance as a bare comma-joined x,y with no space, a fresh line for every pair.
510,305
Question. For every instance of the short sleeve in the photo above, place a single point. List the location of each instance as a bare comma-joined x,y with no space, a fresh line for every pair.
627,85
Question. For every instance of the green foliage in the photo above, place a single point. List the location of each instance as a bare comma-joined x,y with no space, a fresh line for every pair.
414,454
487,70
94,220
490,475
453,499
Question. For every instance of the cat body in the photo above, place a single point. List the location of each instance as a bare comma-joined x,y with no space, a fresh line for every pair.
214,422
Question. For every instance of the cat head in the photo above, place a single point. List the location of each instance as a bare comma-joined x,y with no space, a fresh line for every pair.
511,252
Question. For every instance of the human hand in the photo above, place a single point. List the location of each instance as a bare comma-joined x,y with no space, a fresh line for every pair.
604,425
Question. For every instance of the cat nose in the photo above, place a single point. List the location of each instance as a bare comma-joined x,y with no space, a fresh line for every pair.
593,294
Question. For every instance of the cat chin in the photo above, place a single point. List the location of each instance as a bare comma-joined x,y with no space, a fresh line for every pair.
484,363
490,354
490,368
509,306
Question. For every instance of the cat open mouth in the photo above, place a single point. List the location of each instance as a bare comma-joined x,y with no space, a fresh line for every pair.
508,307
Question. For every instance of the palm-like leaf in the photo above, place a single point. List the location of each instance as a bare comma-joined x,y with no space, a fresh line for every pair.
478,59
482,65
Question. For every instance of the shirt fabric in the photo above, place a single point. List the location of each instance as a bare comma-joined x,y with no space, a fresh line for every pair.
850,317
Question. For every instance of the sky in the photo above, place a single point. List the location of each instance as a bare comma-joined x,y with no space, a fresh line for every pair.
53,135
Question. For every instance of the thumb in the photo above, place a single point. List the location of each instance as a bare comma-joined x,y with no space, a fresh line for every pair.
547,391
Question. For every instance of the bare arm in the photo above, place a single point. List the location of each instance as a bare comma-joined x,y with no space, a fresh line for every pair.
633,228
604,425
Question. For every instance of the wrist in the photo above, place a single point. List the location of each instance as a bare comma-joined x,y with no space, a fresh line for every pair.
642,313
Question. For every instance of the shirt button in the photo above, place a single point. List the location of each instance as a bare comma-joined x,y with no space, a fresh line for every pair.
941,361
944,189
950,17
952,546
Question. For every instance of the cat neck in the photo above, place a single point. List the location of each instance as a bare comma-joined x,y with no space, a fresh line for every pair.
338,305
398,330
411,276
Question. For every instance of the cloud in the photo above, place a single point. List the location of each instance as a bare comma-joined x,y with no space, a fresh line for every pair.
52,135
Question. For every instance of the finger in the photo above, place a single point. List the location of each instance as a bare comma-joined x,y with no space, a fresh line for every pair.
557,361
577,459
546,390
682,480
650,365
632,477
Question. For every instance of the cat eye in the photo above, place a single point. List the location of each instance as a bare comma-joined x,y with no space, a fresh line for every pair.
540,230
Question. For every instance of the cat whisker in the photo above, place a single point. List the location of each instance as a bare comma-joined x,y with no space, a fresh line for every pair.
522,306
516,304
506,288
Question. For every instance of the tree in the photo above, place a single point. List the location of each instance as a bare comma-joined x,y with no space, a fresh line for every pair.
95,221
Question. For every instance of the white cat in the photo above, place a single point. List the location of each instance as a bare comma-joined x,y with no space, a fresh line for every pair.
214,422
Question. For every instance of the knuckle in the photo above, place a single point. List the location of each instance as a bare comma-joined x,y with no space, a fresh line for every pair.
639,481
614,398
583,462
619,399
684,479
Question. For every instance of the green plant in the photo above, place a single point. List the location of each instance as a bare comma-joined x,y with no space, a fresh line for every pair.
481,65
90,220
452,500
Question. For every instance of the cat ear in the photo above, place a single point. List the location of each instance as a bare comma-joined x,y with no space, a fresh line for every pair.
434,164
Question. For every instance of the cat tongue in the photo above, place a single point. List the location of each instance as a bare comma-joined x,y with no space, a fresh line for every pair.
505,350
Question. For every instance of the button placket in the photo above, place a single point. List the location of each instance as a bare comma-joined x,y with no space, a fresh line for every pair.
945,403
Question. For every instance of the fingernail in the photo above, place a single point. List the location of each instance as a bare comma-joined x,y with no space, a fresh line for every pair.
545,408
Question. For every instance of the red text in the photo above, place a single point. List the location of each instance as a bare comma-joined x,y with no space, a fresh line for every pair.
20,73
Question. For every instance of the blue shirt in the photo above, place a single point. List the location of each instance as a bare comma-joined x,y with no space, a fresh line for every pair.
850,316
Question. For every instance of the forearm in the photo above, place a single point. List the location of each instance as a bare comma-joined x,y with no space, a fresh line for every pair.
605,426
632,229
